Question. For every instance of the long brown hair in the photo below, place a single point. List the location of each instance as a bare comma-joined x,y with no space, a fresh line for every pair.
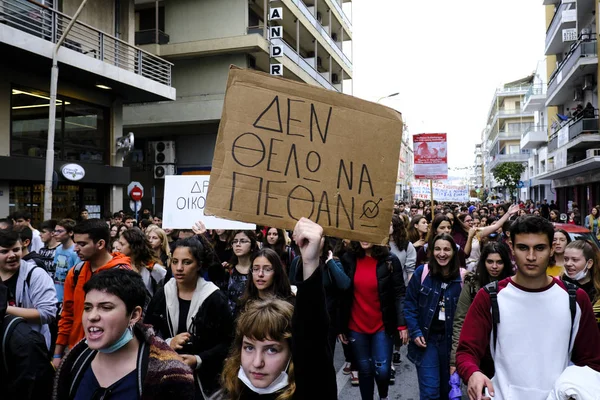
413,234
280,288
399,235
261,320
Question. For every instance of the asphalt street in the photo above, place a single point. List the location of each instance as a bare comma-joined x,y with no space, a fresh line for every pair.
405,388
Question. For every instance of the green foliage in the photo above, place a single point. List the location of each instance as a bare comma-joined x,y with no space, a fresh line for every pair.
508,175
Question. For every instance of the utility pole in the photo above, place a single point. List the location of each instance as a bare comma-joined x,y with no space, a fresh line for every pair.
52,117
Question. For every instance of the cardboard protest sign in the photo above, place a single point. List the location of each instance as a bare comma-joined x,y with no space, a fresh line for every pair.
184,203
287,150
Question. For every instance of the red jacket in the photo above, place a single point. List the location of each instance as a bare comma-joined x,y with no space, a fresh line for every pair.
70,329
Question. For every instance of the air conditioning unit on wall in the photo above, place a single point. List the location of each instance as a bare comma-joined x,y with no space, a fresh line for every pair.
162,170
164,152
592,153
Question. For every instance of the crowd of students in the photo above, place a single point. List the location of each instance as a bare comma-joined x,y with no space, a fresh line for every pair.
131,311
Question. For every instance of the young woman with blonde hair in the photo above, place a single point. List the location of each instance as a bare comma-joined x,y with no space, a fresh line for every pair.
160,244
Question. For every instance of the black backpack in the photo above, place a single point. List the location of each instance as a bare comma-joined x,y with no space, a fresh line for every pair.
44,371
492,289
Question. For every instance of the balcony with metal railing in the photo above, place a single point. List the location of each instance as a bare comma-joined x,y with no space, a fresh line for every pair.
565,17
553,143
534,137
42,23
535,98
291,54
322,31
587,124
338,6
581,59
504,158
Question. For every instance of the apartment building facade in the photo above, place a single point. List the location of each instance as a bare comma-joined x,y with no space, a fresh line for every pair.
406,165
202,39
100,70
573,151
535,139
476,176
506,124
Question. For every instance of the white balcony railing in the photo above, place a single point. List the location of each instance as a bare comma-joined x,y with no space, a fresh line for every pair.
49,24
290,53
309,15
338,7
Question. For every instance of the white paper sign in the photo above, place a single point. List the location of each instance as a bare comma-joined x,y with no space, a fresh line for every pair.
185,198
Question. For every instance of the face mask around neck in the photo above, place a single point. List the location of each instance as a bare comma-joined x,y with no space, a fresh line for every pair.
281,382
580,275
123,340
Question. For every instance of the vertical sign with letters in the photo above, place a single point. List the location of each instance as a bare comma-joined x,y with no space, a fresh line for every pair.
276,32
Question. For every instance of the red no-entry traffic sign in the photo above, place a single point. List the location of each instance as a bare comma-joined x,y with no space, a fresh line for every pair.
136,193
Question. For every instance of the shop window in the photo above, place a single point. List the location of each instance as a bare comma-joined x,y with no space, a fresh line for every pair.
80,129
67,201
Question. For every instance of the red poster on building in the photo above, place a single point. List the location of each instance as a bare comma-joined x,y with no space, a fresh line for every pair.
431,156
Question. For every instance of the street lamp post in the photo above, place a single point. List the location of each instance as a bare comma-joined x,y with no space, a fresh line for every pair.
52,117
389,95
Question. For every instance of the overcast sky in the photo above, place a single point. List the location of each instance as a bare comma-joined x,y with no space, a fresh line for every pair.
445,58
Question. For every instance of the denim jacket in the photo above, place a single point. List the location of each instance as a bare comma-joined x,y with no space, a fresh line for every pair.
419,310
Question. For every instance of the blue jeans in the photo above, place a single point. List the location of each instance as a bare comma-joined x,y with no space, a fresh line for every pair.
373,355
434,371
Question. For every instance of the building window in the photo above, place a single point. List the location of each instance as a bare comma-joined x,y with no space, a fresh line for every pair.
80,129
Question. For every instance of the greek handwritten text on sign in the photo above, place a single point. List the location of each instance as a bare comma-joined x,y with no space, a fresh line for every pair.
185,199
287,150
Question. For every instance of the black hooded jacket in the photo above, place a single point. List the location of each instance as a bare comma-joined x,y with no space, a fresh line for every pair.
25,369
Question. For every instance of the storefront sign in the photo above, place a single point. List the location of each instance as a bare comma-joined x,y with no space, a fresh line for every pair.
73,172
287,150
431,156
185,199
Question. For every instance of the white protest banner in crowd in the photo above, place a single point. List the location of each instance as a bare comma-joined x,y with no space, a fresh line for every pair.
441,192
287,150
430,156
185,199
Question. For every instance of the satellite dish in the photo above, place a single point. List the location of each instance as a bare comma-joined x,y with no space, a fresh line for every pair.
125,144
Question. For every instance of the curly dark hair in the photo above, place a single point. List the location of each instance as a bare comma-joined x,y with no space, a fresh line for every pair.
280,288
399,234
141,251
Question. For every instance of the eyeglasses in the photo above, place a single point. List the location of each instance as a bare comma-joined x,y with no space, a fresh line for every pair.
239,241
265,270
59,231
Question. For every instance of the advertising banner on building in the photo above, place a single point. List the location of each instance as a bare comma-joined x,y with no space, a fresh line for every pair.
185,199
441,192
287,150
431,156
